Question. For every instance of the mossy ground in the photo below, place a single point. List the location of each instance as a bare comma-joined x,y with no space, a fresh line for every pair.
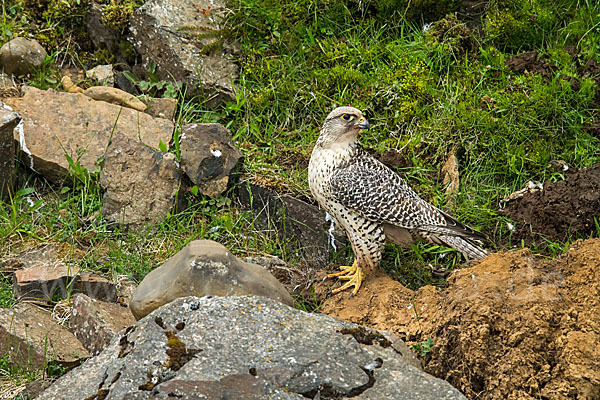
428,90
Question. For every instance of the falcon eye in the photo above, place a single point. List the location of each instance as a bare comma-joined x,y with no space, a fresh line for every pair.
346,117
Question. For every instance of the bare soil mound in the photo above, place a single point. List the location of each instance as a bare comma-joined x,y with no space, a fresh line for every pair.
515,326
562,208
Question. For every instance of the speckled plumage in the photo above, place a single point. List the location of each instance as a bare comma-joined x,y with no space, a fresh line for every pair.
370,201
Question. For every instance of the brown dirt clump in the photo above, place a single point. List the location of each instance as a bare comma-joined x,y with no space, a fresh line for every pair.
562,208
514,326
531,63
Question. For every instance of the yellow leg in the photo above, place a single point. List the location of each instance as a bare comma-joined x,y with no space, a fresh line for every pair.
353,274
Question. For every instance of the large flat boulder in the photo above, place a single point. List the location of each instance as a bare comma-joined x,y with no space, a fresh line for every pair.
56,124
175,35
204,268
247,347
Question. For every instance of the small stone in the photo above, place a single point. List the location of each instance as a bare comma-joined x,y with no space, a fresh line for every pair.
102,74
30,338
204,268
68,85
209,157
8,122
115,96
21,56
162,107
140,183
95,322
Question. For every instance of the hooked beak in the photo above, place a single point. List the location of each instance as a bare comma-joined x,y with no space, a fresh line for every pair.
363,123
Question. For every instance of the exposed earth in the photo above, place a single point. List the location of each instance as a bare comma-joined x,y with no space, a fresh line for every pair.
563,208
515,326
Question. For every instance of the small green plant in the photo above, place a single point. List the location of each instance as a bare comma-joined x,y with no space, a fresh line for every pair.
423,349
154,86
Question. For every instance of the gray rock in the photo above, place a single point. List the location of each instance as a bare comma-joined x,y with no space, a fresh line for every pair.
209,157
303,227
204,268
172,34
58,123
140,183
247,348
8,122
30,338
102,74
21,56
95,322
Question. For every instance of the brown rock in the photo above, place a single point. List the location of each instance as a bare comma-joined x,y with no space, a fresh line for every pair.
204,268
162,107
82,126
140,183
208,157
44,281
95,322
21,56
30,338
8,121
40,273
115,96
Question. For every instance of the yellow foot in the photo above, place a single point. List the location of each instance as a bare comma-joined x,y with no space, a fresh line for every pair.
353,274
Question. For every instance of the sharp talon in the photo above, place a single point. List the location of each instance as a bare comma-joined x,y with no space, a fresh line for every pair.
354,276
325,278
350,295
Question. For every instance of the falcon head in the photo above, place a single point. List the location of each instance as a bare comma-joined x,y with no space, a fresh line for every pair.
342,126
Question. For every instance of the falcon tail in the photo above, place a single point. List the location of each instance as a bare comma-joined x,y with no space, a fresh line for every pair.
468,247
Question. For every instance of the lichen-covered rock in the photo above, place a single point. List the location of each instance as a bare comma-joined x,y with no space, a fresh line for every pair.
56,124
204,268
247,348
21,56
172,34
209,157
140,183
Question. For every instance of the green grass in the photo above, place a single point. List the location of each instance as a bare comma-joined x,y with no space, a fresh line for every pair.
422,90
